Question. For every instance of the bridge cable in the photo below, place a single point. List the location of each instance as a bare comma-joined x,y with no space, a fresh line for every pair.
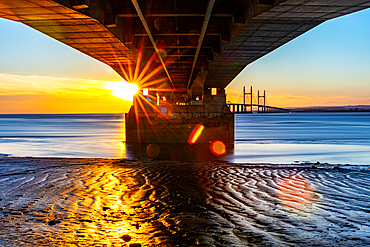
202,34
240,97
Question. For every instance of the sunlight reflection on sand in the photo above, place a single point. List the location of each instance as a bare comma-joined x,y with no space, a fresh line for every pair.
149,203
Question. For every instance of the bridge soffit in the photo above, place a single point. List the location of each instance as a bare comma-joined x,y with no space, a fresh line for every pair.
184,38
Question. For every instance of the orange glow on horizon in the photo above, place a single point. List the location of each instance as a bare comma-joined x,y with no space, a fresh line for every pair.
32,94
45,94
299,100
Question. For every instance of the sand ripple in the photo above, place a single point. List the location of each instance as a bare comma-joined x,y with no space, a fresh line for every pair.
103,202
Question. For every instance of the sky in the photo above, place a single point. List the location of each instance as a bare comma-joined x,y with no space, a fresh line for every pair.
327,66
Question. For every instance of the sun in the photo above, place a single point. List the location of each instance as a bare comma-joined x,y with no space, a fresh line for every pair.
122,89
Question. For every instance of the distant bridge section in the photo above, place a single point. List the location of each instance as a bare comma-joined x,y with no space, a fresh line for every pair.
238,108
248,108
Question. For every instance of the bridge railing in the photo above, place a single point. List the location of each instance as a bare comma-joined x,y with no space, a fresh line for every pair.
248,108
239,108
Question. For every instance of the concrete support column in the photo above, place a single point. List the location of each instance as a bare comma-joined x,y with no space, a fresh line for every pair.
177,122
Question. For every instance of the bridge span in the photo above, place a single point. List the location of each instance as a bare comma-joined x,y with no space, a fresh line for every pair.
248,108
179,50
238,108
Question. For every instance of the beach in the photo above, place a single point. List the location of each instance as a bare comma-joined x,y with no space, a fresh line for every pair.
122,202
290,180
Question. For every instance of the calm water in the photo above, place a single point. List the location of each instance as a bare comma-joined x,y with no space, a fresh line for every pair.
339,138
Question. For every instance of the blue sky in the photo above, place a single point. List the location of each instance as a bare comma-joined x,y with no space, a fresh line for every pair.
26,51
330,61
329,65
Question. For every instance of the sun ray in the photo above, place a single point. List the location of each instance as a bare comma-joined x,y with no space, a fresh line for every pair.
137,121
147,84
163,116
139,61
148,117
124,72
166,90
126,77
142,78
146,114
151,74
153,107
130,73
143,72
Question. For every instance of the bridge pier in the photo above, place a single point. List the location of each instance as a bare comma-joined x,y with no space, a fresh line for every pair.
149,122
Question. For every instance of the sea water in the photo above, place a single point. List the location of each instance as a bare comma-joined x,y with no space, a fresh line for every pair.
336,138
62,135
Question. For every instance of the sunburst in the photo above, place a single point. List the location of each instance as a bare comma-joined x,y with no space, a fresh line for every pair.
136,78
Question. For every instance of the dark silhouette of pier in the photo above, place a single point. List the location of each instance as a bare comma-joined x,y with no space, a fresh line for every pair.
248,107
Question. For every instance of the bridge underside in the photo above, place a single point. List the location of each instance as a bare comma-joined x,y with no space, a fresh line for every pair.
180,50
196,44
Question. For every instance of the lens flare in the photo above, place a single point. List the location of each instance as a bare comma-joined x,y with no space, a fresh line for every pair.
163,109
295,192
122,89
195,134
152,150
218,148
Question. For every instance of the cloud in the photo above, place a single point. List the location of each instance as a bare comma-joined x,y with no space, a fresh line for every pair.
43,94
314,100
11,84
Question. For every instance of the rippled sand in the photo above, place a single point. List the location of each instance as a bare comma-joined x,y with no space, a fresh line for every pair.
104,202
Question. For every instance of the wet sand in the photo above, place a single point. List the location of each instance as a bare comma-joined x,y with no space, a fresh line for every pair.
114,202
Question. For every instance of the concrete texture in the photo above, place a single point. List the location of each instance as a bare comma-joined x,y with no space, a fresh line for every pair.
177,123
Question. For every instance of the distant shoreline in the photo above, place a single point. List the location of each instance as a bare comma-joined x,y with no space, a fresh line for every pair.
349,108
326,110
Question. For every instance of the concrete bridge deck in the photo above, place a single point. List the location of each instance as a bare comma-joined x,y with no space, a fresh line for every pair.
199,43
248,108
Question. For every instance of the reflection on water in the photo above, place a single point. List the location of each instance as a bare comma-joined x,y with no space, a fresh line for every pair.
93,202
